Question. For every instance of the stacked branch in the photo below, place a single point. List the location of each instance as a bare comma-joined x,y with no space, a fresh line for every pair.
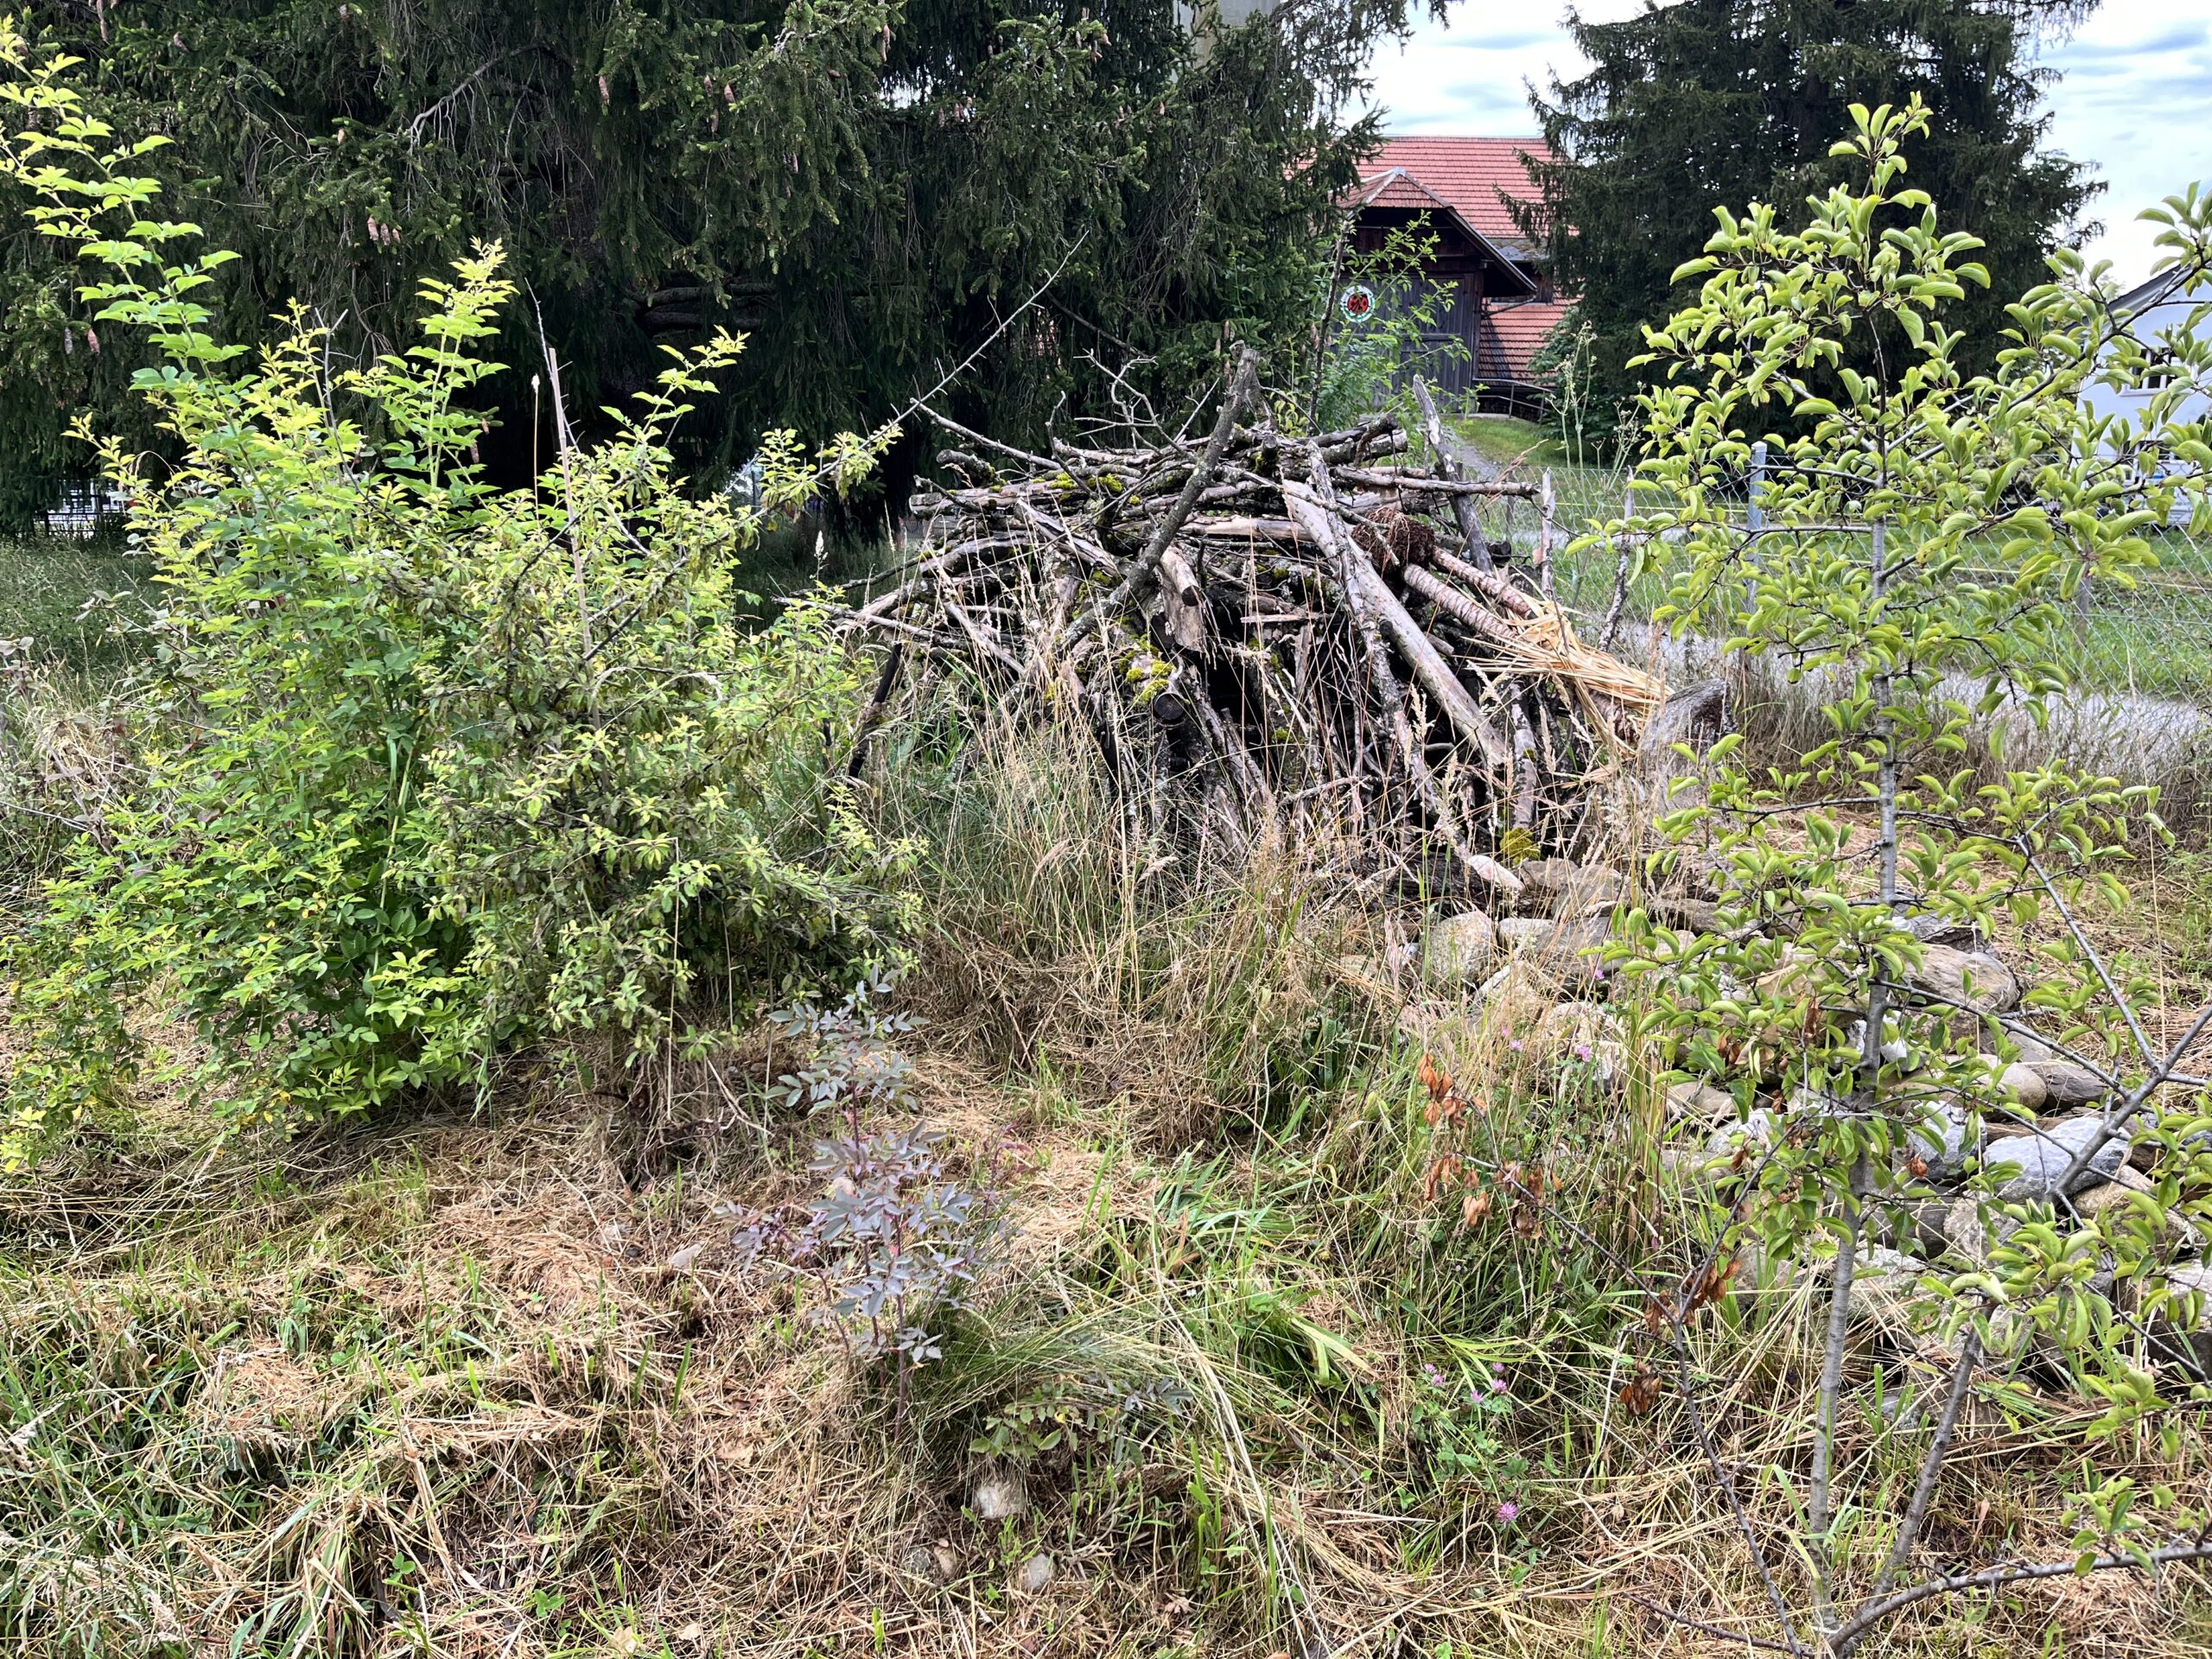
1307,633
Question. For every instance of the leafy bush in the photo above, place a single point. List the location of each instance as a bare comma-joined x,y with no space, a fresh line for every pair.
431,770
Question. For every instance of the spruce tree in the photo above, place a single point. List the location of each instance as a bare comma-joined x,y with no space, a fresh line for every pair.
869,187
1702,102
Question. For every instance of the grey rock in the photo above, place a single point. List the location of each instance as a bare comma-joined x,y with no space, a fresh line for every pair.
1696,716
2066,1084
1690,1164
1514,998
1000,1495
2123,1194
1459,950
1924,1226
2024,1086
2029,1047
1035,1574
1591,890
1700,1103
1586,1034
1972,978
1942,930
1542,880
1680,910
1884,1284
1971,1231
1563,948
1526,933
2030,1165
1946,1139
1565,1024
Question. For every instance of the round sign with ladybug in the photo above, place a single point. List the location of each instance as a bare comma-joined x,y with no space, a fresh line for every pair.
1358,303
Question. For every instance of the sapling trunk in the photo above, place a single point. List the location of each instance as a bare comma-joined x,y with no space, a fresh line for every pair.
1865,1104
1819,1509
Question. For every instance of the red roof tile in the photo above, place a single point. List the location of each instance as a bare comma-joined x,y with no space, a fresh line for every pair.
1474,174
1522,328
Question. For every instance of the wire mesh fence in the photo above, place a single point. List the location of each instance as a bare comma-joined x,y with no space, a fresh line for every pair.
2148,634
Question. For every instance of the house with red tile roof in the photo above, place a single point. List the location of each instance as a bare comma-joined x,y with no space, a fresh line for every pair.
1460,192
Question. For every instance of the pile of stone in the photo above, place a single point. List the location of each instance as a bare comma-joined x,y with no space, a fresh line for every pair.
1535,980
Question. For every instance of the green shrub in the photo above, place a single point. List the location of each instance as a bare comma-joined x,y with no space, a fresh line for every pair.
430,770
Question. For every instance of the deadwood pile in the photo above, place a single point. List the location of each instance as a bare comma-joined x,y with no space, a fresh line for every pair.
1305,634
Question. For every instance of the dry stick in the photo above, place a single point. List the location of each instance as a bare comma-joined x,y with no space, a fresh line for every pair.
1185,601
564,440
1403,480
1524,769
1923,1490
1846,1640
1488,584
1448,464
2097,960
1373,604
1242,389
1312,509
1620,575
974,436
892,662
1544,540
1700,1626
1458,606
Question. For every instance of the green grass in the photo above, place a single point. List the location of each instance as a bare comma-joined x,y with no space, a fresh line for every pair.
62,594
1507,440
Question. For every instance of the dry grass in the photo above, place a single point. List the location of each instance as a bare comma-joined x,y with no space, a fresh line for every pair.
464,1349
439,1388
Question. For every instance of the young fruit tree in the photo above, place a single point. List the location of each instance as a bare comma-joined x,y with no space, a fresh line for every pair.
1920,533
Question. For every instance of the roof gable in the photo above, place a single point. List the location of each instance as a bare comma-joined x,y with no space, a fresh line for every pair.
1475,176
1396,187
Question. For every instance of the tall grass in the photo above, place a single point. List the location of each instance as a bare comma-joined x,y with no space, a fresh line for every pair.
476,1387
1069,932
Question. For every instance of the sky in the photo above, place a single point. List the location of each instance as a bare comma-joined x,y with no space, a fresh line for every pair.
2133,98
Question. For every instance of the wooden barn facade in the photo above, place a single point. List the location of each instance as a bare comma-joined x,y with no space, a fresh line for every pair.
1459,191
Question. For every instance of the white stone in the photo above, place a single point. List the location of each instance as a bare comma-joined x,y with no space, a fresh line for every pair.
1036,1575
1697,1102
1973,979
1000,1495
1526,933
2024,1086
1458,949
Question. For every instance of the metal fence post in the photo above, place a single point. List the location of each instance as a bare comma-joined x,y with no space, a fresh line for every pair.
1754,521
